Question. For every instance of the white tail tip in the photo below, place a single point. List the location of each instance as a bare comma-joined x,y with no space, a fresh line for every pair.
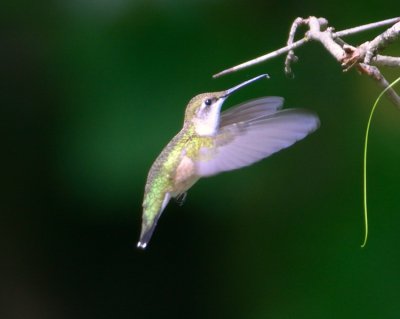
141,245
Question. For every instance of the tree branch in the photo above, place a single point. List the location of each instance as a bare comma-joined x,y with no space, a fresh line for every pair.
365,56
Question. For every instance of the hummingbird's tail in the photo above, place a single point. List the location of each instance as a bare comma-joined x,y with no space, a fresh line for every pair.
145,236
151,214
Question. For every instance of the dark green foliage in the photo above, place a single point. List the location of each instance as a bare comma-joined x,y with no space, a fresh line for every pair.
90,93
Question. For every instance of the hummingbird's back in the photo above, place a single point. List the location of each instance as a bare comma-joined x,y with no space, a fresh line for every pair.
161,182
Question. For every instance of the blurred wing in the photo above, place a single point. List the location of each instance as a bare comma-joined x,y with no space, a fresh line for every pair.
246,142
251,110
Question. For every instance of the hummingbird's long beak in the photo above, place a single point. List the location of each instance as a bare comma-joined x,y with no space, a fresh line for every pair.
239,86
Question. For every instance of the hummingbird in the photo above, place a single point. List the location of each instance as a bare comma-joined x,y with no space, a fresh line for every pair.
212,142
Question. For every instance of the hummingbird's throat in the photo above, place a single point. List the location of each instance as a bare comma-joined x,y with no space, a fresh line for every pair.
207,124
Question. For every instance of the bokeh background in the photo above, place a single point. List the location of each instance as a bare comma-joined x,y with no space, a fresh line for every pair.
91,91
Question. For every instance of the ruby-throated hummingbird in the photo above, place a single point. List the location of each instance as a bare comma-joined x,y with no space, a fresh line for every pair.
212,142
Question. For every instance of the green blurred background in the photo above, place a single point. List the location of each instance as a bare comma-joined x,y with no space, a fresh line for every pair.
91,91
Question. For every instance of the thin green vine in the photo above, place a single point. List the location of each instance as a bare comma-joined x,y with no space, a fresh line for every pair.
365,159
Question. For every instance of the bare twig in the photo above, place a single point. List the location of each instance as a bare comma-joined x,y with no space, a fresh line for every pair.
290,57
321,23
382,41
376,75
366,27
263,58
325,37
384,60
349,56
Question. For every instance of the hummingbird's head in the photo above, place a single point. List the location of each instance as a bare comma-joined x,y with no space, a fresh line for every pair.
203,111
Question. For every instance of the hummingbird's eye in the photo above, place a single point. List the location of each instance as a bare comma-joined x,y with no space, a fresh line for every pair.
208,102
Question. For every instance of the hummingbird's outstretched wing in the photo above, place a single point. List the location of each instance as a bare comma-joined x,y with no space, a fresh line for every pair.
251,110
246,137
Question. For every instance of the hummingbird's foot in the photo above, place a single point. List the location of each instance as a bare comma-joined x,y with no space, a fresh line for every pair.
180,199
